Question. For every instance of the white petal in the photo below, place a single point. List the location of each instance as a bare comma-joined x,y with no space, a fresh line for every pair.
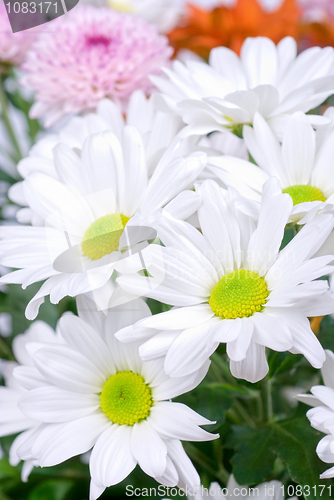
253,367
268,98
327,371
111,460
135,170
169,180
174,387
259,60
50,404
328,473
183,205
214,212
72,438
14,459
305,341
103,165
145,287
178,318
265,148
272,330
170,477
125,315
177,421
95,491
298,149
228,64
308,399
324,394
237,349
157,345
27,468
82,338
68,369
148,449
324,449
190,350
29,377
188,475
266,239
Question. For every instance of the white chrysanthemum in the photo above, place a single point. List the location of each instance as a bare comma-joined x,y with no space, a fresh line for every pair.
12,420
85,212
321,416
231,284
303,163
99,394
227,92
158,131
163,13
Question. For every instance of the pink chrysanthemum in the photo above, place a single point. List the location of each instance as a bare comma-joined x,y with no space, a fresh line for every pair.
13,46
92,53
317,10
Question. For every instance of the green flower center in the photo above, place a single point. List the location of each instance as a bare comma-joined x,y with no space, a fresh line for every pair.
300,193
239,294
102,237
126,399
122,5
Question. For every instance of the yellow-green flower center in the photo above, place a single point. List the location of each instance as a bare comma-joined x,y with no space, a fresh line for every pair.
300,193
239,294
102,237
122,5
126,399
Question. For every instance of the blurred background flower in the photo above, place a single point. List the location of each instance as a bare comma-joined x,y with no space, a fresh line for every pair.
92,53
13,46
200,29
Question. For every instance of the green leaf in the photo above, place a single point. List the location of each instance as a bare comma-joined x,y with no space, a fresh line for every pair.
157,307
326,334
289,233
15,302
51,490
254,460
282,362
7,470
294,443
6,177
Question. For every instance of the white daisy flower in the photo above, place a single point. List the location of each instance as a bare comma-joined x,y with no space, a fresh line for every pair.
159,133
302,162
85,211
99,394
321,416
12,420
158,130
227,92
231,284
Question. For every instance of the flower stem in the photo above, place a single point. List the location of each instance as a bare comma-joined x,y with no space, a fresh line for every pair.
223,368
197,456
7,122
6,351
243,414
267,399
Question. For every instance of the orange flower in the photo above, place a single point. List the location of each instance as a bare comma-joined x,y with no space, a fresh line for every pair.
321,34
201,30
